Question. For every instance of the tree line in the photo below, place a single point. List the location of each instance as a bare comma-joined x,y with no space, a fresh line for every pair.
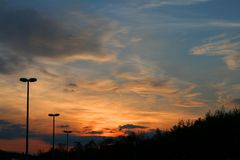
215,136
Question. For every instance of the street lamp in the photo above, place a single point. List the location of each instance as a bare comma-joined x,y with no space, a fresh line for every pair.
53,115
25,80
67,132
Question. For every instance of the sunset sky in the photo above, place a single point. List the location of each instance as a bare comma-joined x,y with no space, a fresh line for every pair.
101,64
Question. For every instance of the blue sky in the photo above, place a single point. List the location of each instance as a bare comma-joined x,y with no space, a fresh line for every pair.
107,63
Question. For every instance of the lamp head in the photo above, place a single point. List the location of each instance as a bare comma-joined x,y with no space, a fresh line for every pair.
66,131
28,80
23,79
32,80
53,114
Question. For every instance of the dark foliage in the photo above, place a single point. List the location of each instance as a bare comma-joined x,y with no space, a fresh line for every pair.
10,155
215,137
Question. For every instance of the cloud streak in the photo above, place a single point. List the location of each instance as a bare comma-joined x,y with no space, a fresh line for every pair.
95,132
227,94
157,3
131,126
224,46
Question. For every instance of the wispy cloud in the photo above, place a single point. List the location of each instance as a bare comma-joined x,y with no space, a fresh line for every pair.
153,86
227,94
161,88
225,46
224,24
202,23
141,81
191,103
157,3
136,39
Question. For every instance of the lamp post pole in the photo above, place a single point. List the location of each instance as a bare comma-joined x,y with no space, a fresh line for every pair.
67,132
53,134
27,117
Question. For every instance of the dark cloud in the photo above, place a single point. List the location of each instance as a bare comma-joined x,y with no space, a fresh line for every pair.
95,132
131,126
63,126
108,129
27,34
10,130
73,85
86,129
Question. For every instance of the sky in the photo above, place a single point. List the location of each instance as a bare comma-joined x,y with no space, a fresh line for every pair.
111,66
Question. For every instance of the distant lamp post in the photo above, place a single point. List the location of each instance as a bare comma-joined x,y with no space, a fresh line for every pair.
53,115
67,132
25,80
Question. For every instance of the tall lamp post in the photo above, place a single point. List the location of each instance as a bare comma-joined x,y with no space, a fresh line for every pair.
53,115
67,132
25,80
